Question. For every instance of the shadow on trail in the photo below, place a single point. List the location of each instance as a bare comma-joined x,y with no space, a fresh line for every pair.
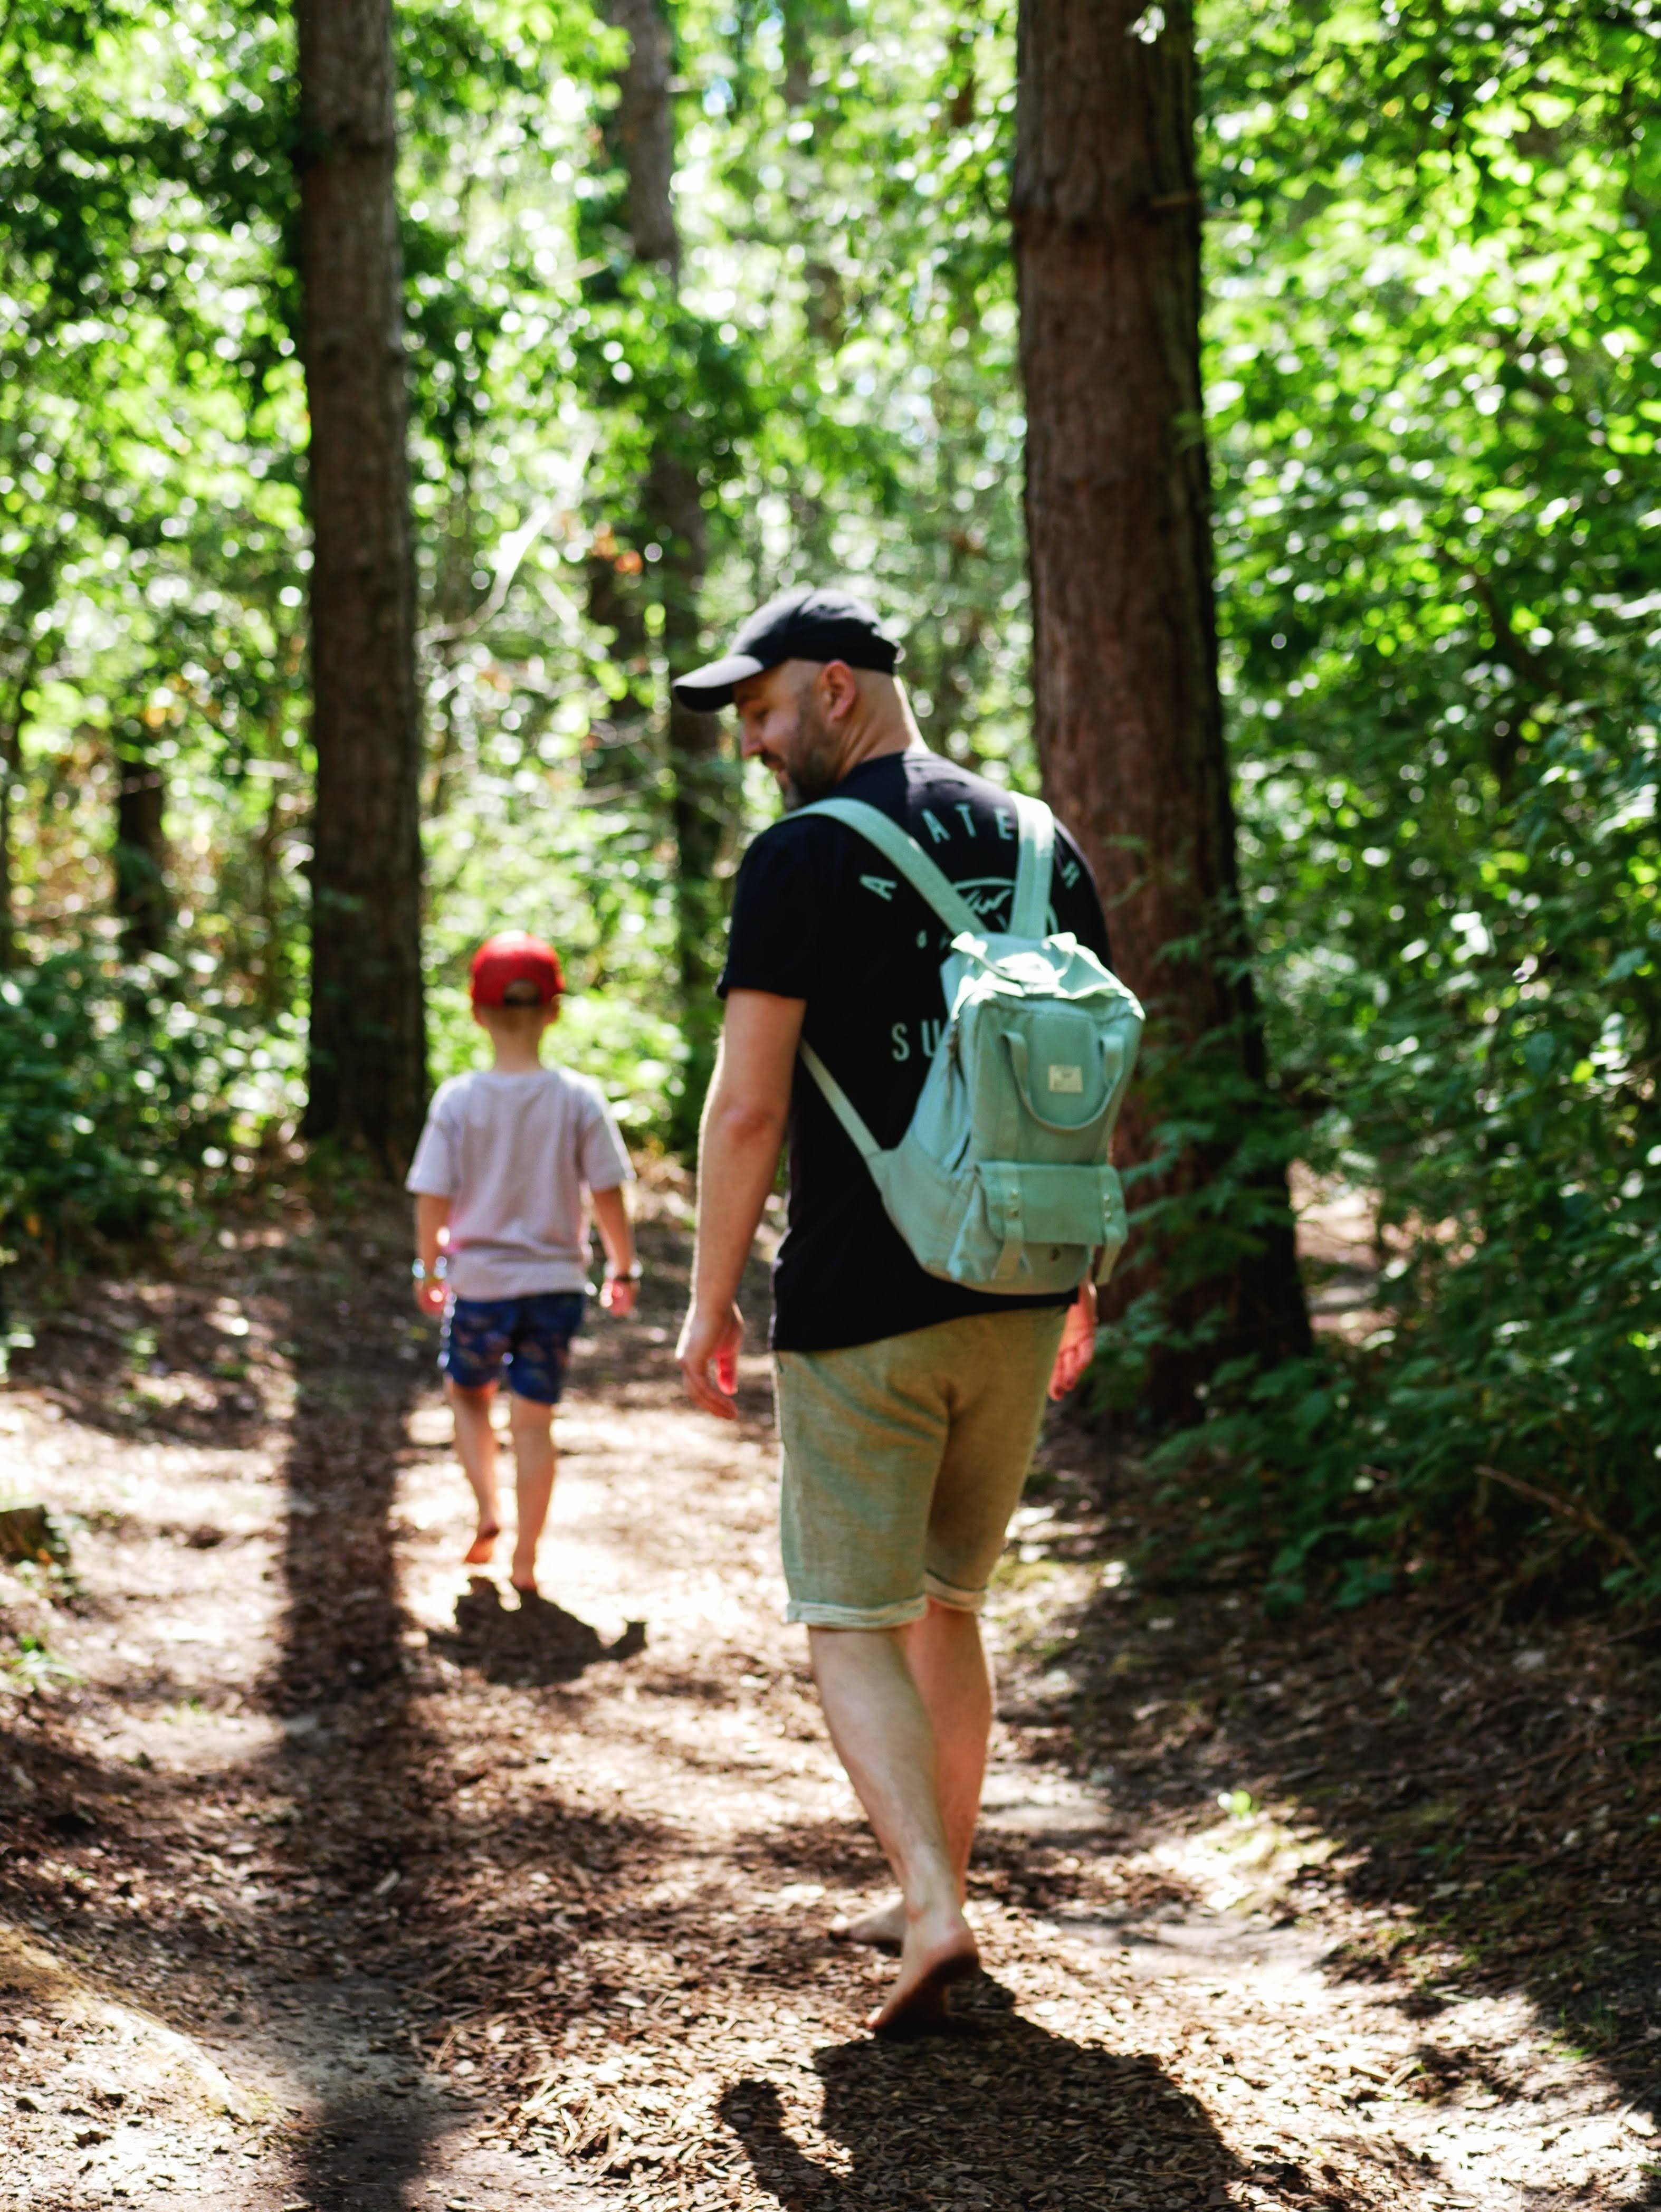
418,1905
355,1760
1053,2124
1485,1771
531,1645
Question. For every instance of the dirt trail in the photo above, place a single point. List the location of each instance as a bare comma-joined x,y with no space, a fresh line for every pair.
320,1891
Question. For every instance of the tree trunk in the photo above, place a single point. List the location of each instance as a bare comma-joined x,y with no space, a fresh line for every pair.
367,1060
672,512
141,903
676,513
11,777
1127,710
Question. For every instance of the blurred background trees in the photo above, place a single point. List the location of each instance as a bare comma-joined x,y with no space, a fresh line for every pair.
701,300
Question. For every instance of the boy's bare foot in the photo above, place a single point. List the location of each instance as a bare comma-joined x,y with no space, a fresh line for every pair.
883,1929
940,1950
483,1544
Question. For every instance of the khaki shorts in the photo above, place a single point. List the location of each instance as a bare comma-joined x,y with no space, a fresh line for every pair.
904,1461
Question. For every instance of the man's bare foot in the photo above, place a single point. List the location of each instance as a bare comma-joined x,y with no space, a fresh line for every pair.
483,1544
883,1930
523,1576
940,1950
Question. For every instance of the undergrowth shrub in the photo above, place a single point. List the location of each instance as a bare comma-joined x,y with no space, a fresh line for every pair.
119,1106
1434,389
1493,1088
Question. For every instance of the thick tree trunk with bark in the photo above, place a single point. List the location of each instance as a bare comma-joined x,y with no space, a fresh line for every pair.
1128,714
367,1072
672,512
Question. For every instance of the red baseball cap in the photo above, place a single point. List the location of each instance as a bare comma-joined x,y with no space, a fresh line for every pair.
515,956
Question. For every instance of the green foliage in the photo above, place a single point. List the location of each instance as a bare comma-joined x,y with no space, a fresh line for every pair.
1435,389
117,1111
33,1669
1433,393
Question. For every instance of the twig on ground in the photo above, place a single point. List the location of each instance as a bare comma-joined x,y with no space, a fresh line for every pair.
1569,1509
1393,1689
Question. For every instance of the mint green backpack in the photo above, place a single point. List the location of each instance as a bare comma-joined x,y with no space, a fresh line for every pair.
1001,1182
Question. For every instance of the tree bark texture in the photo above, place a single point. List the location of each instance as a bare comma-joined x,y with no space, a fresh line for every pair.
141,903
1128,714
11,777
368,1062
645,132
671,511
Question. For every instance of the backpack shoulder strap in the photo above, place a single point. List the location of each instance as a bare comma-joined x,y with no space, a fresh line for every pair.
897,846
840,1104
1029,910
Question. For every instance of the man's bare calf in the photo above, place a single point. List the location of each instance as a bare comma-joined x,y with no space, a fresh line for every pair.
944,1653
886,1740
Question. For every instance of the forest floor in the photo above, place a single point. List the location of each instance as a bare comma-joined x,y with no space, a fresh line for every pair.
328,1883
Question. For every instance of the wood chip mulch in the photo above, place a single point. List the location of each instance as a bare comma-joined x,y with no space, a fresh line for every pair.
328,1881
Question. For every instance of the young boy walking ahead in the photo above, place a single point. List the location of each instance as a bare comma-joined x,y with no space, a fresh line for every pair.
500,1177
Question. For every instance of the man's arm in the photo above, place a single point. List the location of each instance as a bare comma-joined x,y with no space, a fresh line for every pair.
432,1225
744,1117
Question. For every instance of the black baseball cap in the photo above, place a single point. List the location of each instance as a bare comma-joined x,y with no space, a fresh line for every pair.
804,624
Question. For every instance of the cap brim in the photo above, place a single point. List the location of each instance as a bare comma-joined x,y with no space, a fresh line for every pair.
707,689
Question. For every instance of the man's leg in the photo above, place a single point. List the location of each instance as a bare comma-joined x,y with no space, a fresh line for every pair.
944,1654
885,1738
1000,1366
532,1427
476,1447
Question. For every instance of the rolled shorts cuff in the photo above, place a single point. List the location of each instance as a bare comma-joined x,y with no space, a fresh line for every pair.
898,1615
959,1601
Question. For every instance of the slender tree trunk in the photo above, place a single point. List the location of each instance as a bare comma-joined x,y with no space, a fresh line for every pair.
11,775
367,1071
673,513
624,747
141,902
1128,714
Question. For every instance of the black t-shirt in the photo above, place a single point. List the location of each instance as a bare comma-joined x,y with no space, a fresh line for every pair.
819,915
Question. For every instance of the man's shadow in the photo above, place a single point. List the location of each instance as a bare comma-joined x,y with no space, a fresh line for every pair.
1000,2113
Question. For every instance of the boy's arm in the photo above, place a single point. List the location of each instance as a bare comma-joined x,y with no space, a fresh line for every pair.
432,1230
745,1119
617,1234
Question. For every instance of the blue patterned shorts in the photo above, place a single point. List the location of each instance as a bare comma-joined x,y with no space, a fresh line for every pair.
529,1338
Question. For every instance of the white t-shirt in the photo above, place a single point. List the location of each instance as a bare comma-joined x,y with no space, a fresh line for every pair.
513,1153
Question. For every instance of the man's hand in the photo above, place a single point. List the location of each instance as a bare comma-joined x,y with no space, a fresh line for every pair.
429,1298
1078,1344
617,1294
706,1340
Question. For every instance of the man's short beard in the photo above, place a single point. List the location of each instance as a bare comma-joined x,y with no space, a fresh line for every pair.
814,768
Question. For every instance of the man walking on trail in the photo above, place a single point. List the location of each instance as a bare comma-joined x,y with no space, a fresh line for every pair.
908,1404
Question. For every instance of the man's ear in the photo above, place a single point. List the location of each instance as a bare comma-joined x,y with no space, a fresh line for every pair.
553,1005
839,690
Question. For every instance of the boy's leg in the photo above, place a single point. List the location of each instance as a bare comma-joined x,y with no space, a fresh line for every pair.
532,1426
471,1355
542,1328
476,1447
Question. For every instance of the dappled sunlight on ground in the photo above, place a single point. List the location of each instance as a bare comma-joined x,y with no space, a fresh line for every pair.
330,1882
